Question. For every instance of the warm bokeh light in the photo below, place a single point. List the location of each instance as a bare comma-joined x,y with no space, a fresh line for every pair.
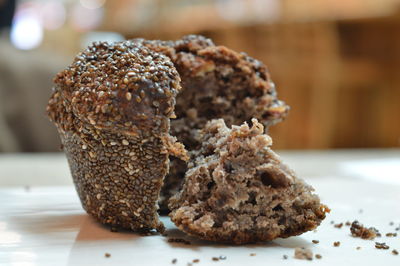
26,30
85,19
53,15
92,4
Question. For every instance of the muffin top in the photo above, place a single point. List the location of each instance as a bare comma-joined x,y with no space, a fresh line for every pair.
121,84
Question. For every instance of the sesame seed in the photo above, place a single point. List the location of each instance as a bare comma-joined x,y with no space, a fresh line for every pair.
128,96
125,142
84,146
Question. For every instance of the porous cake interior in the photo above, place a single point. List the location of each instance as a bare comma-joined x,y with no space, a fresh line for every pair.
217,82
238,190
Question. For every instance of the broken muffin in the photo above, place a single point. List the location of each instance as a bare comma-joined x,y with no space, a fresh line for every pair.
217,82
111,107
238,190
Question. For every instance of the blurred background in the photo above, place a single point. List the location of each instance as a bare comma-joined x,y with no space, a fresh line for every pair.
335,62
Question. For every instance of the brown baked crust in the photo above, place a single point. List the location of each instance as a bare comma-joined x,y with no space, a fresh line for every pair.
237,190
111,107
217,82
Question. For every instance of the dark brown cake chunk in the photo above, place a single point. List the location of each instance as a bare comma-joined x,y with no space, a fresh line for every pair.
238,190
358,230
112,107
217,82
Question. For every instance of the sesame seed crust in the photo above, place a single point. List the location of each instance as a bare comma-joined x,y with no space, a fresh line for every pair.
117,146
105,83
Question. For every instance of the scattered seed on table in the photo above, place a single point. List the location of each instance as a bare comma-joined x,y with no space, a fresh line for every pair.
315,241
253,254
174,261
358,248
285,257
107,255
391,234
222,257
215,259
318,256
395,252
347,223
336,244
196,261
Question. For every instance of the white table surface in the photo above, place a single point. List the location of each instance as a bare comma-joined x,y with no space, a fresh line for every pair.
42,222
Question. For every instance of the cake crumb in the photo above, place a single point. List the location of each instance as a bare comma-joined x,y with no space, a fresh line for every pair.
338,225
303,253
179,240
107,255
318,256
253,254
395,252
358,230
381,245
336,243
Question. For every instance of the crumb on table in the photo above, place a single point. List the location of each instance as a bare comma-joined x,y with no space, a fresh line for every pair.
302,253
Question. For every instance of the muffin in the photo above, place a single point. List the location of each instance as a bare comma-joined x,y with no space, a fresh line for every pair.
238,190
217,82
112,107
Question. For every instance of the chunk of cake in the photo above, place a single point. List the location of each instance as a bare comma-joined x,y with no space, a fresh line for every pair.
238,190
